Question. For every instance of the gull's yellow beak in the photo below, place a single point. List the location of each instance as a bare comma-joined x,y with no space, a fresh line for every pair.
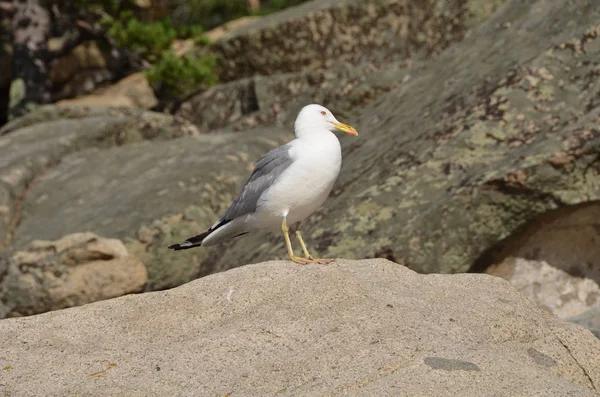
348,129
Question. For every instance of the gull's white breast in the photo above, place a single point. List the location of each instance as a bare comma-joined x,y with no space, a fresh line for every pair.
305,185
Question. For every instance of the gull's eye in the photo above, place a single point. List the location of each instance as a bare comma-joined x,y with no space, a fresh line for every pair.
323,113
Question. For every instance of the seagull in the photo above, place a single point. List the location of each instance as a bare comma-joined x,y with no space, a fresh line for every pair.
288,184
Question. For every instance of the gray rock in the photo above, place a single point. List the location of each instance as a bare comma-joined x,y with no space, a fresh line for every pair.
555,290
359,328
498,129
75,270
42,139
276,99
344,75
590,319
465,149
319,34
567,238
124,177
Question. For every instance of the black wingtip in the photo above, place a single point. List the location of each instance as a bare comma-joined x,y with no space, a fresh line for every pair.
183,246
191,242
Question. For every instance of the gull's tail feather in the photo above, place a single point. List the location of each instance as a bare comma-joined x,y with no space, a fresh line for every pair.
191,242
217,234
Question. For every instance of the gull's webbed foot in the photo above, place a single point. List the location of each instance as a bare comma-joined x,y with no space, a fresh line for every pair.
307,258
310,260
320,261
301,261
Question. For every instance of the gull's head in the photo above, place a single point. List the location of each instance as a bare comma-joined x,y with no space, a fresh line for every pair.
313,119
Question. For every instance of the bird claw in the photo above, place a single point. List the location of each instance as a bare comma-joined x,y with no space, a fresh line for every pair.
310,260
320,261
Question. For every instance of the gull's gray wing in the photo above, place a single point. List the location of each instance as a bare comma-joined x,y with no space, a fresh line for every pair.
268,169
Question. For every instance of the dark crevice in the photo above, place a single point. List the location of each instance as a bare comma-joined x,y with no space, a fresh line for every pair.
585,372
4,100
248,99
523,234
489,256
516,189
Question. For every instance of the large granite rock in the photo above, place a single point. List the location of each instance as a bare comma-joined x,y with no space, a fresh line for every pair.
319,34
276,100
360,57
552,289
131,91
455,154
33,144
498,129
121,174
568,238
80,70
75,270
359,328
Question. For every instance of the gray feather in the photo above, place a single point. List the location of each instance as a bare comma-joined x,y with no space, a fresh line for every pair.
268,169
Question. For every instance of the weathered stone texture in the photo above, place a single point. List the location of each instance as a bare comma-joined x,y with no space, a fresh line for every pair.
361,328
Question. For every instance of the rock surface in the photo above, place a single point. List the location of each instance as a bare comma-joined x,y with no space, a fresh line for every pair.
81,70
132,91
221,31
568,238
75,270
103,170
364,328
276,100
589,319
319,34
37,142
498,129
337,53
456,151
552,289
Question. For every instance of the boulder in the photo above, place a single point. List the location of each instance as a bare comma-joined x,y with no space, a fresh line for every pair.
318,34
552,289
276,100
568,238
498,129
361,328
35,143
131,91
271,84
106,172
75,270
228,28
81,70
589,319
455,154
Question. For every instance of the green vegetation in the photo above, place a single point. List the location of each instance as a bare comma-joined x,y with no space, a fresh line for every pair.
148,40
150,32
171,75
178,75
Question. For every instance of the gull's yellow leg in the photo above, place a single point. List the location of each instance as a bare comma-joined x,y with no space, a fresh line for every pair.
305,250
286,234
301,241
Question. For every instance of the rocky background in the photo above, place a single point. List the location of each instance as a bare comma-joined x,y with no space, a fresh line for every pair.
126,126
